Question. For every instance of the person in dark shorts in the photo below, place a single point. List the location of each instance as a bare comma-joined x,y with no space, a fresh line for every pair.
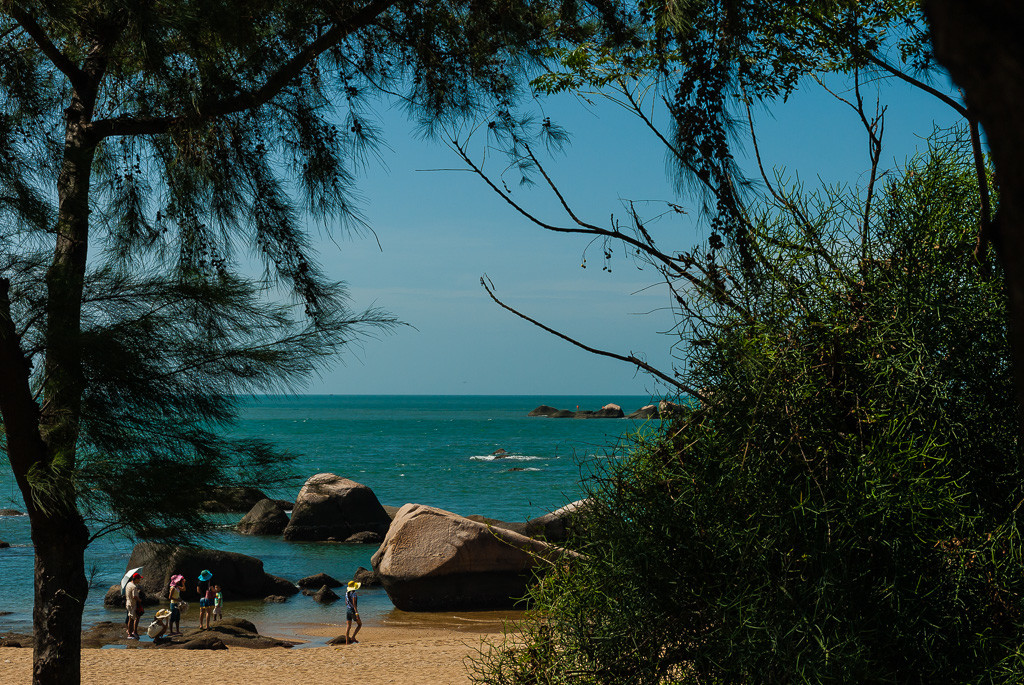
352,611
206,597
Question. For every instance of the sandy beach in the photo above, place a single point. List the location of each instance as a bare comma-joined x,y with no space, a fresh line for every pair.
399,655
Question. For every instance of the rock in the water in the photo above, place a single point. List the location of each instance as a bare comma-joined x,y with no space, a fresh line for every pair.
609,411
265,518
340,640
564,414
233,499
319,580
275,599
11,512
434,560
649,411
366,577
543,410
240,576
391,511
365,537
4,545
280,586
330,506
326,595
556,526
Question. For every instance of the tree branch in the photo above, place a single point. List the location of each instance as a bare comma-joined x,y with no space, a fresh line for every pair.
135,125
61,61
639,363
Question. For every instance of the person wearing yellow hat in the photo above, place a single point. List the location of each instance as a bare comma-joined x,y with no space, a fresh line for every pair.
352,611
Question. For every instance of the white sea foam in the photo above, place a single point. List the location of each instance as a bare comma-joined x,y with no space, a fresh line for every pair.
507,457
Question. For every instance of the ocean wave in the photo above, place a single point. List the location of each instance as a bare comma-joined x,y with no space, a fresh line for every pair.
528,468
506,457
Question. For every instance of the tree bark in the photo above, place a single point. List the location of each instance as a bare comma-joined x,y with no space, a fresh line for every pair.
980,43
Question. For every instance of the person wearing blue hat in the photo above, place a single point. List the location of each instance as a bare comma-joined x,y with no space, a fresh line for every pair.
206,598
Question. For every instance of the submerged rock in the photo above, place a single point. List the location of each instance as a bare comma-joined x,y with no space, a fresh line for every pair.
266,517
318,580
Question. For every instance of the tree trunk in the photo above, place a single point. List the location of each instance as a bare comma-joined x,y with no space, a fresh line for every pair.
980,43
60,592
59,533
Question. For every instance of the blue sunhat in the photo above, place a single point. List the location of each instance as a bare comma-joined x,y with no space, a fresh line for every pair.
205,575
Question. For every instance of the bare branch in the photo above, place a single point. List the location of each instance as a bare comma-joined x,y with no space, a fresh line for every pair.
630,359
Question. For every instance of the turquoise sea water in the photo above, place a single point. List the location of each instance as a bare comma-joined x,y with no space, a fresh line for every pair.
427,449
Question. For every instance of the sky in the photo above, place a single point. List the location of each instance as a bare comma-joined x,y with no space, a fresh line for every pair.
440,229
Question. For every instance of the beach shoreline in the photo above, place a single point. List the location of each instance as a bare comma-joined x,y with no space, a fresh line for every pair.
413,654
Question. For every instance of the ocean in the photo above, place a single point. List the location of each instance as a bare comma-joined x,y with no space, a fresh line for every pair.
433,450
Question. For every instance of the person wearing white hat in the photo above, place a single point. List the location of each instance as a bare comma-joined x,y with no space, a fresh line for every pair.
352,611
133,604
158,627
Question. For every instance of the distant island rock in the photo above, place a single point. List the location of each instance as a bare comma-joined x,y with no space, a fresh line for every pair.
608,411
662,410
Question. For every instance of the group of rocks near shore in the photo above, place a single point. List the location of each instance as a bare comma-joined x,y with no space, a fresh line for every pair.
428,559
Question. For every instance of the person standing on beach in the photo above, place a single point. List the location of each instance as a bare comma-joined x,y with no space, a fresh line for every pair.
174,595
218,603
206,597
352,611
133,604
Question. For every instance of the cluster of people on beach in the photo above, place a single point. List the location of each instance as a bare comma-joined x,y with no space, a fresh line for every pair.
211,604
168,621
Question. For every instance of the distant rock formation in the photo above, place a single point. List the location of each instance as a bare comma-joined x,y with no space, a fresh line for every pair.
608,411
267,517
434,560
329,506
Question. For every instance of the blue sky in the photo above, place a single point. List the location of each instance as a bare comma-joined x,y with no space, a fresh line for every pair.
439,231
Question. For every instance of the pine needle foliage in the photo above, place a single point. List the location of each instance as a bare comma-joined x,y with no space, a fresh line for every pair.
845,506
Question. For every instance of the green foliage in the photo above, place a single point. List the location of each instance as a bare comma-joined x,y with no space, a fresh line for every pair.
843,506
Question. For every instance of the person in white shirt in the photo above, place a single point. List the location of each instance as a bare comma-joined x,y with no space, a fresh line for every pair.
133,603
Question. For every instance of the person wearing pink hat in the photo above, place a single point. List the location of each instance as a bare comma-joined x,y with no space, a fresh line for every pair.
174,595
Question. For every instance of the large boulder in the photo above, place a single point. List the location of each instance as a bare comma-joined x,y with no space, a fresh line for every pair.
11,512
329,506
267,517
434,560
240,576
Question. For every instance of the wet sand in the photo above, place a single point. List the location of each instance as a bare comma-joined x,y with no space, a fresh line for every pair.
418,653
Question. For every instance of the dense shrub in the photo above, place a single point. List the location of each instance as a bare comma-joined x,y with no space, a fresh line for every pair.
843,505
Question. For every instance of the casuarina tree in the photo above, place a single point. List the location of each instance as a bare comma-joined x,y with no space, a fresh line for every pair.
150,154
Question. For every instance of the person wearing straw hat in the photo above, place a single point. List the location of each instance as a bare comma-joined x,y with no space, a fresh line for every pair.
158,627
206,597
352,611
